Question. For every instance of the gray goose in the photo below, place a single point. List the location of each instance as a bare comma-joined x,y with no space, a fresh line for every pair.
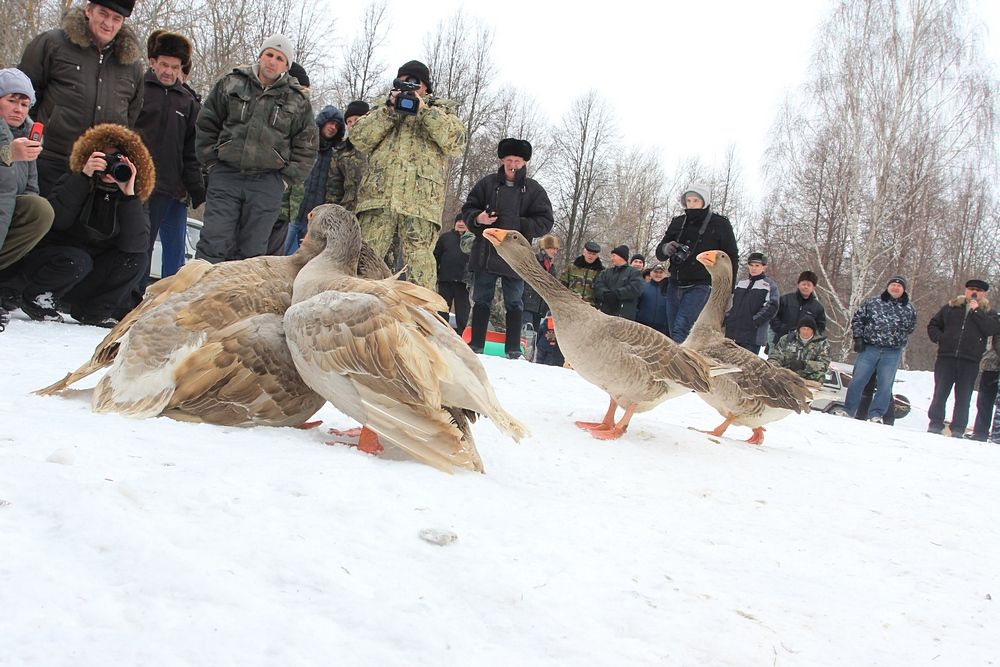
761,393
637,366
380,353
208,345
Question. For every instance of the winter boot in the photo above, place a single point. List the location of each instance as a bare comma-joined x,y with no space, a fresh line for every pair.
480,322
41,307
512,342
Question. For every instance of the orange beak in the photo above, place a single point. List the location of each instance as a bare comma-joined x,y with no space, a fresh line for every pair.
495,236
708,258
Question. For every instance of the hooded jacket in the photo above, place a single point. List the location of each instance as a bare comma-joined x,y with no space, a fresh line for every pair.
257,130
314,192
77,86
522,206
961,333
684,229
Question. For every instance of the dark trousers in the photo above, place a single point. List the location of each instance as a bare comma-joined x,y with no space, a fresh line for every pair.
456,295
985,404
94,287
240,211
50,169
950,372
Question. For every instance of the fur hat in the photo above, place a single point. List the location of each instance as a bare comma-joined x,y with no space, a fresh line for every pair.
807,320
549,241
417,70
123,7
278,43
356,108
14,81
518,147
978,284
757,257
171,44
621,251
808,276
699,189
109,135
898,279
299,72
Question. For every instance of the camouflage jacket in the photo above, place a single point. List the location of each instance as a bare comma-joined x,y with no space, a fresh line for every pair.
347,168
883,321
257,130
407,158
579,278
813,353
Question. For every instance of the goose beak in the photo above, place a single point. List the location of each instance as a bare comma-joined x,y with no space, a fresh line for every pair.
708,258
495,236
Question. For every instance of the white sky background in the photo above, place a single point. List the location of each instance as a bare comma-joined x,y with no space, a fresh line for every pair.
689,78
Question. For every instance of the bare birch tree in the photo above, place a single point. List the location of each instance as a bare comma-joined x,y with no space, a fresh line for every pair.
361,75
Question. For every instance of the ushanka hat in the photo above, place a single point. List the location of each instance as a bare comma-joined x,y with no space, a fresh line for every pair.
808,276
518,147
170,44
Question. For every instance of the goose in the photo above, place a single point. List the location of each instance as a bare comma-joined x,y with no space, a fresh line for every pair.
637,366
208,345
761,393
380,353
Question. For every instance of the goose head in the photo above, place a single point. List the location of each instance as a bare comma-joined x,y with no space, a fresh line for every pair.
337,229
716,261
511,245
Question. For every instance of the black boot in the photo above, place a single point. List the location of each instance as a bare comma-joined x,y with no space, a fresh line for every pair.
480,322
512,343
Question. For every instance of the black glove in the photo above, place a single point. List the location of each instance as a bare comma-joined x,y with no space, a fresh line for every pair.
611,302
859,344
795,365
669,248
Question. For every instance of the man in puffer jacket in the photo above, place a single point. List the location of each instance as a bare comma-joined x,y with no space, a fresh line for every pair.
881,327
960,329
755,302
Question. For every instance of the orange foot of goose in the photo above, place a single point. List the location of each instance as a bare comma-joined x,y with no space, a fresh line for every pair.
308,425
758,436
612,433
367,439
349,433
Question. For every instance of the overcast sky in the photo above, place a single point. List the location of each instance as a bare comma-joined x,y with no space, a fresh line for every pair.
688,78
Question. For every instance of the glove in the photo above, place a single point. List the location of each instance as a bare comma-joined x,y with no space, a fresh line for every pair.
795,365
611,302
197,198
670,247
859,344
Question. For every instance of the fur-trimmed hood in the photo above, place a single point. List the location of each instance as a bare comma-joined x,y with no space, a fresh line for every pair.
959,302
126,47
99,137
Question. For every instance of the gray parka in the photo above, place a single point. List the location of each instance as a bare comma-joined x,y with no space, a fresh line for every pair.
21,178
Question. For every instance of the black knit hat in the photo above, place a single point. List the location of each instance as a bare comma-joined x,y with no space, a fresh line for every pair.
978,284
898,279
637,256
418,70
757,257
807,320
621,251
299,73
170,44
356,108
518,147
123,7
808,276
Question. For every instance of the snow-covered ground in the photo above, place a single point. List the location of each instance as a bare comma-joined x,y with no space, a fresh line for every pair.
155,542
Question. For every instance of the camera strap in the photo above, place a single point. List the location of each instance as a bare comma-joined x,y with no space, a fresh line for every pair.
701,230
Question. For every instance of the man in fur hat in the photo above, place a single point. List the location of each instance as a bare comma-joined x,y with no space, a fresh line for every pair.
402,193
86,72
95,254
256,137
794,305
507,199
960,329
167,127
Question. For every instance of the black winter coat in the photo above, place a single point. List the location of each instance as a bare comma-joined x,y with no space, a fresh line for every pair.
451,261
617,290
533,301
718,236
791,308
523,207
167,127
96,219
961,333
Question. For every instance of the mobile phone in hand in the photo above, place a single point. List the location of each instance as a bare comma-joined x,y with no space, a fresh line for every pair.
37,130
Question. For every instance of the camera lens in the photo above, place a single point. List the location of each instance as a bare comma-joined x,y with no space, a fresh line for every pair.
120,172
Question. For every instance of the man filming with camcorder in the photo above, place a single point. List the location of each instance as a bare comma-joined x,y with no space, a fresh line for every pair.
408,141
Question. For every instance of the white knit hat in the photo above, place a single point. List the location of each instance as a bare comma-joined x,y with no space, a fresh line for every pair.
699,189
278,43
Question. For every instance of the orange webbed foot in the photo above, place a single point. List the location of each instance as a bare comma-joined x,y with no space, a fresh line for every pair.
612,433
308,425
349,433
590,426
758,436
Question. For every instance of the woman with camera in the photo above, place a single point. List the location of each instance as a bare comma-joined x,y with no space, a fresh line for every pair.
95,253
697,230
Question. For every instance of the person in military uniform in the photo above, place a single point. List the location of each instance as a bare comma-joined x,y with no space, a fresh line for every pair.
579,276
803,351
256,136
348,165
402,193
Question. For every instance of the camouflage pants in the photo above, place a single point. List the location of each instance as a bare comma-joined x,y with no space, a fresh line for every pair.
416,237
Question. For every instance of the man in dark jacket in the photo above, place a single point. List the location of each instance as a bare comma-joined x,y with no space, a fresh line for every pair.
95,253
348,165
652,306
87,71
755,301
167,127
579,276
505,200
534,305
687,235
794,305
452,256
331,130
617,288
881,327
960,329
256,137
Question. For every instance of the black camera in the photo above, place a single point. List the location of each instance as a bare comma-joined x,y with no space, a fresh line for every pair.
407,100
681,254
116,167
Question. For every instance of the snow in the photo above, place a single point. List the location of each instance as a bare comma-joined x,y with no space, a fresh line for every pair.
155,542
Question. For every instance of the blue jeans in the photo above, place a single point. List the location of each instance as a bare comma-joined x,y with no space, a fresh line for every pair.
684,304
169,216
484,286
881,361
296,233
